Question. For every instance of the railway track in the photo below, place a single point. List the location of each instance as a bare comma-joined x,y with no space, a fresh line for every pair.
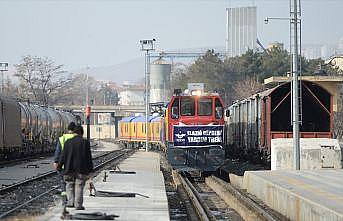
4,163
206,203
249,207
4,188
214,199
34,195
35,156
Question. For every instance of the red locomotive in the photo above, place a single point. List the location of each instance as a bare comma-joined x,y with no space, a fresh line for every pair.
191,132
195,131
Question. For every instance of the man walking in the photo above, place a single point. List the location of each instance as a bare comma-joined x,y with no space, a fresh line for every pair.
77,161
59,147
60,143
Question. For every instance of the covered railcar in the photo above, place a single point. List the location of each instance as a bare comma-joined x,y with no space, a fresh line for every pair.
139,132
253,122
133,131
124,130
157,132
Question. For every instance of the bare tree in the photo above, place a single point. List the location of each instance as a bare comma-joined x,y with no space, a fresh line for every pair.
10,89
74,92
247,87
40,78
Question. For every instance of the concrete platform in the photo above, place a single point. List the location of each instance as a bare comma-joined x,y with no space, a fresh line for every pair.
299,195
316,153
150,202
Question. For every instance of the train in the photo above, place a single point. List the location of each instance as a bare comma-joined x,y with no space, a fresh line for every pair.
191,131
245,132
28,129
253,122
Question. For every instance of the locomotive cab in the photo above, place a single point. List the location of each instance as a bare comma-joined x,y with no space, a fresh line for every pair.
195,131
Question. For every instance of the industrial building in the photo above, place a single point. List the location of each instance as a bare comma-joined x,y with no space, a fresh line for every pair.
131,94
241,32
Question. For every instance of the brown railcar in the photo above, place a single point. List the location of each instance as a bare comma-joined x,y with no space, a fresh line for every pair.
253,122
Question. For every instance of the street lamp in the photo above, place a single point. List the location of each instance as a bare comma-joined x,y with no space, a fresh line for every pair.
3,67
295,43
147,46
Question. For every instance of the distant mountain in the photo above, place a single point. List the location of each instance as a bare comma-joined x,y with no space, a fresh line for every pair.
132,71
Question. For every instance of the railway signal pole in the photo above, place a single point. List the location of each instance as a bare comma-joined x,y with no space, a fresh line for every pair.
88,111
88,114
147,46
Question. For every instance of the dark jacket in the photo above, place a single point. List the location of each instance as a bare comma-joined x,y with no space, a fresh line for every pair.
59,148
76,157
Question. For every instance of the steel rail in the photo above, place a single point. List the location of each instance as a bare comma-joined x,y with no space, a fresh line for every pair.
13,161
102,164
226,191
46,174
5,214
200,206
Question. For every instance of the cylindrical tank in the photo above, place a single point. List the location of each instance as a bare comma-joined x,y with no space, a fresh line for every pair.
159,81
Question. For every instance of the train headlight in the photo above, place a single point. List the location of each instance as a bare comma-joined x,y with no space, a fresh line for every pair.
196,92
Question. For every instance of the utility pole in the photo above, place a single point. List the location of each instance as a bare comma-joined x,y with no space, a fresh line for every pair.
295,83
295,44
147,46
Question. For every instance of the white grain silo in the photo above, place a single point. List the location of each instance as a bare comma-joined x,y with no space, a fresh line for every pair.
159,81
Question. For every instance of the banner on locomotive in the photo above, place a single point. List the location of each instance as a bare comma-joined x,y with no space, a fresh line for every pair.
198,136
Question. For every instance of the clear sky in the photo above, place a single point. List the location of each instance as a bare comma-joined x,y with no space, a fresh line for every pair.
103,32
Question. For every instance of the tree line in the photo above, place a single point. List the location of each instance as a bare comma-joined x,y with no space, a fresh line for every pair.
44,82
241,76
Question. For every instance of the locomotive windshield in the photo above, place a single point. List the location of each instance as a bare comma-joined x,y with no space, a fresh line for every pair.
205,107
187,106
175,109
219,109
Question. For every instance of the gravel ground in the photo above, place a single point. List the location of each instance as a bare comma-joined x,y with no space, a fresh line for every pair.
217,206
28,191
177,208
